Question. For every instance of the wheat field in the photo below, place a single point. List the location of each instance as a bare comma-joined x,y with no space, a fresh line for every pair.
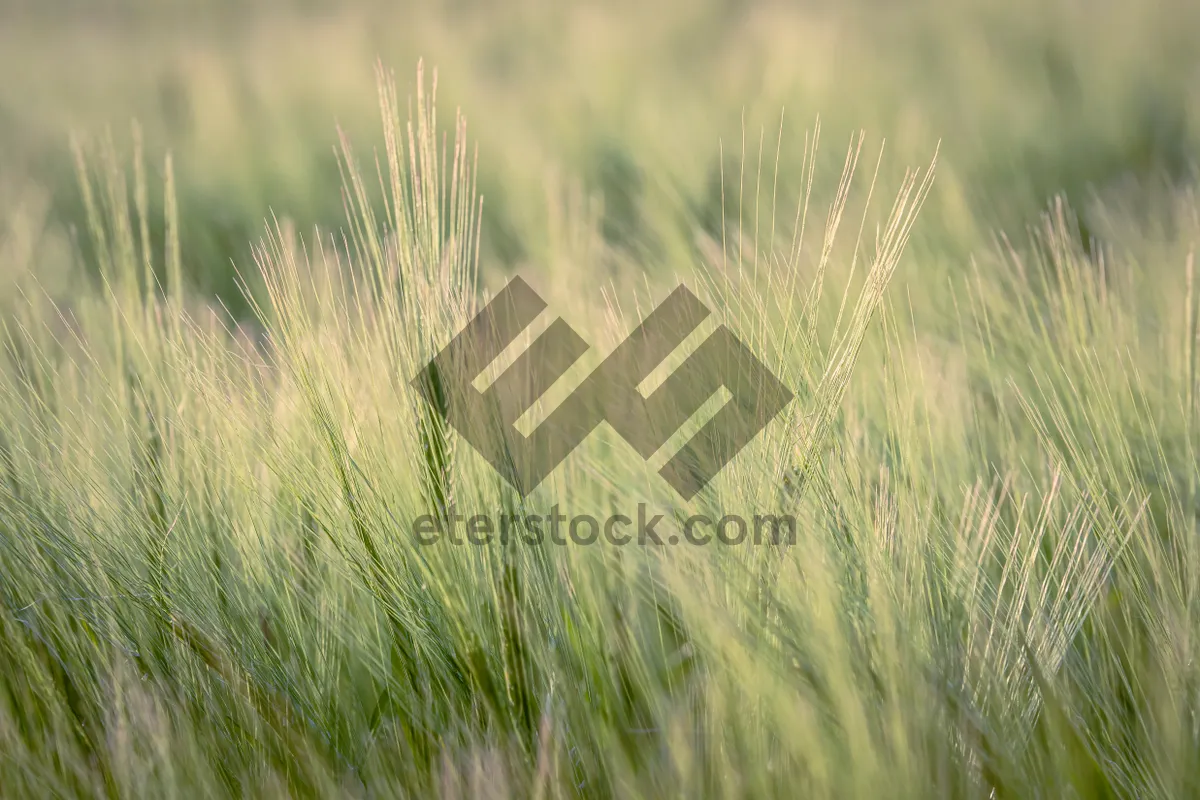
962,234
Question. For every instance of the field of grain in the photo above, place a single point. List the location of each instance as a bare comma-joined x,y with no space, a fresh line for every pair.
961,232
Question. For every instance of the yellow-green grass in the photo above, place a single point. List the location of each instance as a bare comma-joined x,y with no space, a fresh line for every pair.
210,585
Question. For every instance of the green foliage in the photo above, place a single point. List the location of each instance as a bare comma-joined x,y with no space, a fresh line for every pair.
208,584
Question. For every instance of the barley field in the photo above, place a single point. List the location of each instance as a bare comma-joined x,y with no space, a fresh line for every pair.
961,233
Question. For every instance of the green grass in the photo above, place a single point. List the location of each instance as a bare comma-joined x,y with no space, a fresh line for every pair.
207,582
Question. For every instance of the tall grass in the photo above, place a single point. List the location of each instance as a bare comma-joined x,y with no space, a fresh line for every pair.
630,100
210,586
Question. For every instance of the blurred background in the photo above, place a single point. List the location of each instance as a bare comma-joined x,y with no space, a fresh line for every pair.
630,107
